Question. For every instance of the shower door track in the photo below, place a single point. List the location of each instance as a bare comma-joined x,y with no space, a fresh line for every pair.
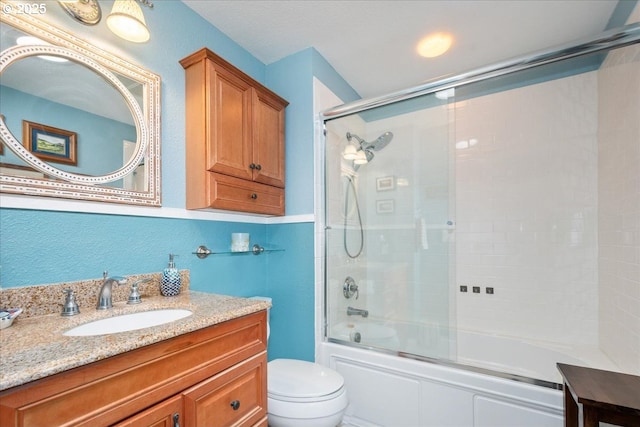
615,38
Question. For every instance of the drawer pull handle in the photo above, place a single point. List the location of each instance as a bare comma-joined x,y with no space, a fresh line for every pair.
254,196
235,405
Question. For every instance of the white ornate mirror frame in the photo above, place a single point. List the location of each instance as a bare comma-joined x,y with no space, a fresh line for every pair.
146,119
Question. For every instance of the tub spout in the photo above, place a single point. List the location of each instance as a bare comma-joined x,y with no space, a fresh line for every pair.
357,312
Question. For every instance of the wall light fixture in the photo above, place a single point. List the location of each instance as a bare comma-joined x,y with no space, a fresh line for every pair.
126,20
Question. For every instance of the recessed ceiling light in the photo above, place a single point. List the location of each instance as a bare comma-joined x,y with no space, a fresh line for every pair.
434,44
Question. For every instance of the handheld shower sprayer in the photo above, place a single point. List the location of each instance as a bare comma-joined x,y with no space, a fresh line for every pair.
360,154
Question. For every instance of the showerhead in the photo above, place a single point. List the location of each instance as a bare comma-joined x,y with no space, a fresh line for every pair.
377,145
367,148
382,141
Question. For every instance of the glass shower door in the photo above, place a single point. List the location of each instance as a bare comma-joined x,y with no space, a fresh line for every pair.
389,228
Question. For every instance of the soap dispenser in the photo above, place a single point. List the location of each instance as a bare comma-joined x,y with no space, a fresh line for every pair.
170,284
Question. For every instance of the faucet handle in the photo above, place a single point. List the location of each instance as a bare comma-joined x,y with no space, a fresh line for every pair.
70,307
350,288
134,296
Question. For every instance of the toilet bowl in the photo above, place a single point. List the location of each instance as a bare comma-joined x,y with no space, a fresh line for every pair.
303,394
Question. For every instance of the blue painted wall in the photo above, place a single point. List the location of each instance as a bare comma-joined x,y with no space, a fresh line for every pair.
290,282
48,247
42,246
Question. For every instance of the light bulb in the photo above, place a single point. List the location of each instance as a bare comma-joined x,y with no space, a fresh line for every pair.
349,152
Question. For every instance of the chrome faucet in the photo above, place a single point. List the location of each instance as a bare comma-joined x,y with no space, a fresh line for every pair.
357,312
104,297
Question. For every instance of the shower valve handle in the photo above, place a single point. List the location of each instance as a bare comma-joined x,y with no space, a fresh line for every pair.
350,288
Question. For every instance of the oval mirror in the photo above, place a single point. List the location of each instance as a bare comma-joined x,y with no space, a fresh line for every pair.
78,122
85,86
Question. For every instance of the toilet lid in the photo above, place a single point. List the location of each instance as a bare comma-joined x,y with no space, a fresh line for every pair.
298,378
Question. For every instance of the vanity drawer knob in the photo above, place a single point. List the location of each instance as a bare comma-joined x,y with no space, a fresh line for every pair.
254,196
235,405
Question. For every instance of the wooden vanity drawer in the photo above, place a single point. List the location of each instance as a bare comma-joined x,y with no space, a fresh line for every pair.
235,397
166,414
111,390
227,192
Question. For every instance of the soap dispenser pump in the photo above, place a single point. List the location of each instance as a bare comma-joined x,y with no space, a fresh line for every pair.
170,283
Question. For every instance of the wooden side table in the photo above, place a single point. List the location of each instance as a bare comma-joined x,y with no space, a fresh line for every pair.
593,395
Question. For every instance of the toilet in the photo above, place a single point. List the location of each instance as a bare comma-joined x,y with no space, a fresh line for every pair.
303,394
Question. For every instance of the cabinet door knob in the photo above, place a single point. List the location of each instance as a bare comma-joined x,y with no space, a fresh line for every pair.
258,167
235,405
252,166
254,196
176,419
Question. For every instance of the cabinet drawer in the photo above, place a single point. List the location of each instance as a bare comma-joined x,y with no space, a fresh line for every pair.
235,397
165,414
226,192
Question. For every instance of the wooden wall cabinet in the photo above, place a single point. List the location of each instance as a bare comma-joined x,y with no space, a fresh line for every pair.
213,377
235,138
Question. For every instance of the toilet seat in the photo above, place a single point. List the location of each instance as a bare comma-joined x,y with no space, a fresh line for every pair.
301,381
300,391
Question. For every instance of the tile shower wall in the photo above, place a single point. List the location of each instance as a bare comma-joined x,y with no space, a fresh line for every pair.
619,206
526,211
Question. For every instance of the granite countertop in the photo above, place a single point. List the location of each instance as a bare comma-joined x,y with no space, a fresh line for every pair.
35,347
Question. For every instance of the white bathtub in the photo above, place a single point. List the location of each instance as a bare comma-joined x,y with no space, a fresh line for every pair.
486,380
392,391
536,361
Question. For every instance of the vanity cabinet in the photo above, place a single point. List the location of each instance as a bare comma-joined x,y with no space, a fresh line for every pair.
235,143
214,376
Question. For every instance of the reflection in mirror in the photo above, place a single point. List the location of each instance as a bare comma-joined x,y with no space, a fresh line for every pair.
111,108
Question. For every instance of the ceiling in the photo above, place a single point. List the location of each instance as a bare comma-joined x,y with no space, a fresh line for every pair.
371,44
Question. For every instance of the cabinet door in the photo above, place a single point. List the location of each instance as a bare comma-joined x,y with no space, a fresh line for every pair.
268,139
229,124
165,414
235,397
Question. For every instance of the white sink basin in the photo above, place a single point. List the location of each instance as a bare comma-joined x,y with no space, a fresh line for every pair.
128,322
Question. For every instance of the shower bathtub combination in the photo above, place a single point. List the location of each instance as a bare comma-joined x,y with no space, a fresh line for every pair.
477,230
